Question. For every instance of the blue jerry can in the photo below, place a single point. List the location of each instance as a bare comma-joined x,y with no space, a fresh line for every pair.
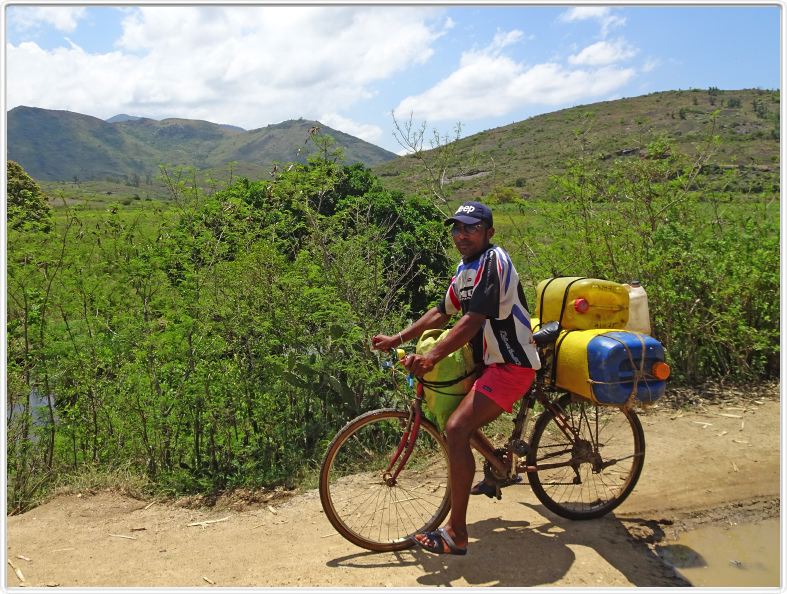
613,358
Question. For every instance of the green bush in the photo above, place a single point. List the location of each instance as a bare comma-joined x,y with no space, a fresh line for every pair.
712,275
27,207
215,344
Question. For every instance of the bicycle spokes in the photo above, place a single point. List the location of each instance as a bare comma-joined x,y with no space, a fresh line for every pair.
379,487
585,459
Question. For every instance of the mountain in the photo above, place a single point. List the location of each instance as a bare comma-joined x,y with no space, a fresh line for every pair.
522,156
61,145
122,117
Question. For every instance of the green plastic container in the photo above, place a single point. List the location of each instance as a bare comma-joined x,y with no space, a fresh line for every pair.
449,381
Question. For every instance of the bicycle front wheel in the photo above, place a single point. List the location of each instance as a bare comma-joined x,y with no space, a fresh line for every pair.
587,459
367,506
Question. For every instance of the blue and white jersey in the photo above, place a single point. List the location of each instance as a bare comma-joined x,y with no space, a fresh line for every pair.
489,285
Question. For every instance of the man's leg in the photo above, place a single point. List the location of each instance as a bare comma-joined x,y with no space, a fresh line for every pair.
482,445
475,411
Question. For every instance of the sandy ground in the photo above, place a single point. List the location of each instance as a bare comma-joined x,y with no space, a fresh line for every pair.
716,463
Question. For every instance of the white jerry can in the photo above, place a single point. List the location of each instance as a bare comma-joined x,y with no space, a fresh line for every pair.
639,315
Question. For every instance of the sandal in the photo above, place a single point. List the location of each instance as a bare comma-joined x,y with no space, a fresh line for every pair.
438,538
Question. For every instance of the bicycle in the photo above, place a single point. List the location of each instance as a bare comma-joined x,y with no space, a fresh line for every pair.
384,476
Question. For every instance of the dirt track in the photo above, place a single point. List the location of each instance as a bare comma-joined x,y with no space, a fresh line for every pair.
718,463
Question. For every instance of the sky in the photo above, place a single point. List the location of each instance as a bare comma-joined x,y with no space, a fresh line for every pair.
355,67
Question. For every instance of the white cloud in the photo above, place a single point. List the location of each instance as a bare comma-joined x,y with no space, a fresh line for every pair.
651,64
603,15
489,84
240,65
367,132
62,18
581,13
503,39
603,53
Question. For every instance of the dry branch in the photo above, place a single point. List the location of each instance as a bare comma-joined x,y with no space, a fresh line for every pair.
206,522
17,571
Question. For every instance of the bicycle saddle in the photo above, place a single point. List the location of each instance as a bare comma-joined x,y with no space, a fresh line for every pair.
548,334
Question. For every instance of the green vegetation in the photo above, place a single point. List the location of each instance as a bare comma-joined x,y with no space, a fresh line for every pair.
710,265
27,207
210,336
212,341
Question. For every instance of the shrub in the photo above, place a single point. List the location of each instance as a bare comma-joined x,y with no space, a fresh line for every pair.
219,344
712,276
27,207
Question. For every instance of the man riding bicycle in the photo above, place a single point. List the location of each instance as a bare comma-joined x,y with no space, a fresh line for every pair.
495,321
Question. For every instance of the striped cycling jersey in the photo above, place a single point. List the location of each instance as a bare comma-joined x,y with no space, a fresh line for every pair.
489,285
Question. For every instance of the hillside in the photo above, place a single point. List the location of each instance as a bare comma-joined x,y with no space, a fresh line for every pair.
523,155
61,145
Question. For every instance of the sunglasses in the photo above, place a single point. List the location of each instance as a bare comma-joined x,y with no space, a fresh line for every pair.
459,228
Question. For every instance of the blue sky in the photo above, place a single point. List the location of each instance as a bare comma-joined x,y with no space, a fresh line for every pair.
351,66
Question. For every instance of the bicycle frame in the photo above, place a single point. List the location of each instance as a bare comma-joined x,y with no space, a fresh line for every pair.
384,460
535,394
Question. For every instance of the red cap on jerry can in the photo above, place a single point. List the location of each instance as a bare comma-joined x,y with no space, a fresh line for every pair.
581,305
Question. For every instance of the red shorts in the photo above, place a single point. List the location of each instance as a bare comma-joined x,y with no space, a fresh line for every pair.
504,383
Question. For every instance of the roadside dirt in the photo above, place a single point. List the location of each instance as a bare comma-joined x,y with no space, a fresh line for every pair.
714,463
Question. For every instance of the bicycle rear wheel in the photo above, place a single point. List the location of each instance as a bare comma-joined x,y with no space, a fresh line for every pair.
370,511
589,475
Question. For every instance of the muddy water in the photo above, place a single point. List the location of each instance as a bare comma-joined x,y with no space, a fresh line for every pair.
745,555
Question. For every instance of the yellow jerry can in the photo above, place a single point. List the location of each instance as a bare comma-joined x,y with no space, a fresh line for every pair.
580,303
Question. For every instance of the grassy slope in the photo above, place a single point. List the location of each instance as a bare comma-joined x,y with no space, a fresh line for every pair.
525,154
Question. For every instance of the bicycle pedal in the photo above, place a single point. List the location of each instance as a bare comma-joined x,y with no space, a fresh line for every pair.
483,488
491,491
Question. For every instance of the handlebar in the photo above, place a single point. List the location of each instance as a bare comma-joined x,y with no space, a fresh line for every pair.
396,357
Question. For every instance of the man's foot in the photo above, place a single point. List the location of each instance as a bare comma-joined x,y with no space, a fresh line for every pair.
484,488
439,542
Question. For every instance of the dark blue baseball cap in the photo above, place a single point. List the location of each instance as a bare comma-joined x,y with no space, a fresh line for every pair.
470,213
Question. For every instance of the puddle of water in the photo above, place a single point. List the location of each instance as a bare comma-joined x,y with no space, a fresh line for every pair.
745,555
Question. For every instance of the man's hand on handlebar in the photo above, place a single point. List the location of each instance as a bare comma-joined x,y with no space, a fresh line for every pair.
418,365
381,342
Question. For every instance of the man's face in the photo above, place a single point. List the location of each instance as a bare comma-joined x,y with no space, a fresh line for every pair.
471,239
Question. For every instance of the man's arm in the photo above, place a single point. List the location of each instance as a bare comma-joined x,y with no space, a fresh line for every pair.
467,327
434,318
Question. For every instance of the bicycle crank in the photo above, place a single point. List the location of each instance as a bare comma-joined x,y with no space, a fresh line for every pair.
494,480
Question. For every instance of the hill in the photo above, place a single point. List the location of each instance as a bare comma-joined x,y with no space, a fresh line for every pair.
61,145
122,117
523,155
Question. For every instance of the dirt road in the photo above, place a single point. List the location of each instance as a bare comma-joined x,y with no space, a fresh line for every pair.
716,463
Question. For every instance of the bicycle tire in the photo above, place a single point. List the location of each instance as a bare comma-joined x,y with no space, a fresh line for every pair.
361,505
601,467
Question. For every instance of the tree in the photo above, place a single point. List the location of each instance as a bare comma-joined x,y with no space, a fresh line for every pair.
436,162
27,205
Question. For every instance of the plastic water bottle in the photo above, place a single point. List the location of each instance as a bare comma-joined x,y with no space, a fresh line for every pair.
639,315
